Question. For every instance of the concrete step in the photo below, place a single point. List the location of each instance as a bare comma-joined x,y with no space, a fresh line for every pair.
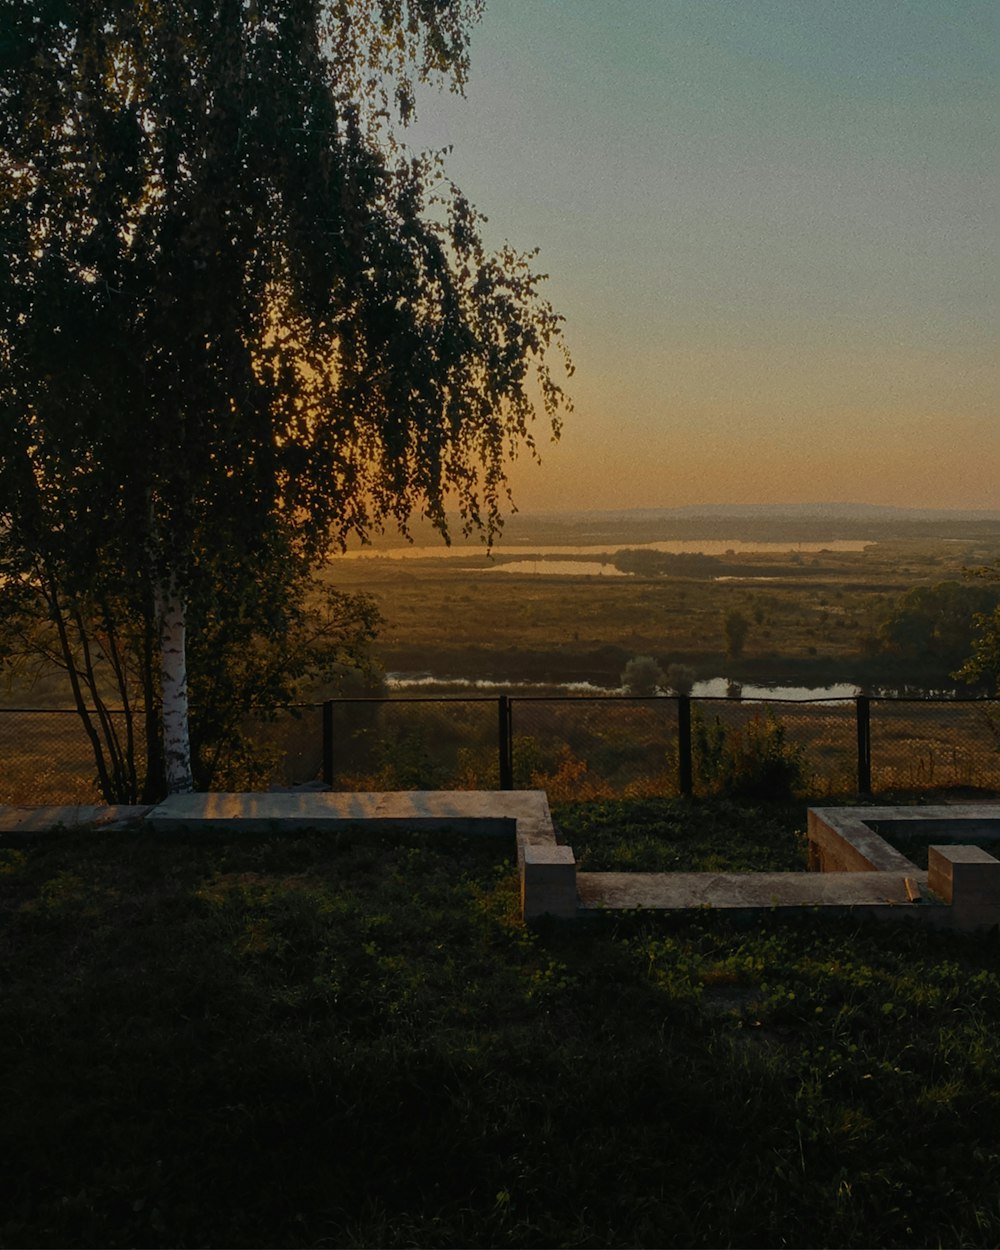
691,891
525,812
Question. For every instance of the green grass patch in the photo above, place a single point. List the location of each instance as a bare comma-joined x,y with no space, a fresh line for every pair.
352,1040
678,835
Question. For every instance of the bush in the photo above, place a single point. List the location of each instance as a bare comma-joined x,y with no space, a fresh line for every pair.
642,676
752,761
681,678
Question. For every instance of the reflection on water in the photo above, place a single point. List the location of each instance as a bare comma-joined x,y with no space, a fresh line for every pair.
401,682
713,688
722,688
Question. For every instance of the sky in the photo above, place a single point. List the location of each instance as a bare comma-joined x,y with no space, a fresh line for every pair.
772,228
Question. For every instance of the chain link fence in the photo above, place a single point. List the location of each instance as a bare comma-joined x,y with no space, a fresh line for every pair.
935,744
46,757
574,747
782,745
413,744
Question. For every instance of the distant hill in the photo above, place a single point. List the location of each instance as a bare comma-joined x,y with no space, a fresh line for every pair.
791,511
813,522
822,522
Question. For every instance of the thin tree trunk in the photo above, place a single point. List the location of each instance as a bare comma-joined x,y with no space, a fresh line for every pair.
171,613
121,792
120,668
55,609
155,785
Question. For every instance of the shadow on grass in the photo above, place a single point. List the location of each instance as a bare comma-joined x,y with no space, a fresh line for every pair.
352,1040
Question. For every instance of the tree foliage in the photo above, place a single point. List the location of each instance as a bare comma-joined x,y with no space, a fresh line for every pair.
735,627
982,665
238,321
261,638
681,678
931,630
646,563
642,676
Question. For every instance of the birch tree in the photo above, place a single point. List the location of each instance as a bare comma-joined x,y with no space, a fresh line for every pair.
237,316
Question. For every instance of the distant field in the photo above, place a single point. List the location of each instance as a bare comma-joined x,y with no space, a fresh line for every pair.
453,617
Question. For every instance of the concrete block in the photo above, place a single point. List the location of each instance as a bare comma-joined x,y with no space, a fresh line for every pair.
969,879
842,839
548,882
956,872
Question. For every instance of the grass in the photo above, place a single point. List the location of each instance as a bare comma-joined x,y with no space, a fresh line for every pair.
352,1040
809,624
809,618
677,835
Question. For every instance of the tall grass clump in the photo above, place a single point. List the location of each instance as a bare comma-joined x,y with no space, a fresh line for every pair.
750,761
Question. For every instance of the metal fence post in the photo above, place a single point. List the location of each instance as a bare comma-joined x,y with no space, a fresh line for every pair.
863,710
685,779
328,742
505,742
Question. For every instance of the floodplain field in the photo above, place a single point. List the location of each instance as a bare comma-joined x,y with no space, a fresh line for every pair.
456,618
811,613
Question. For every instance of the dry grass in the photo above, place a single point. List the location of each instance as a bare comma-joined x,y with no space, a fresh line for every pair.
574,749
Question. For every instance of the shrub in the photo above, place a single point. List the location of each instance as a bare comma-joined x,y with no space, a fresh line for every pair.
642,675
751,761
681,678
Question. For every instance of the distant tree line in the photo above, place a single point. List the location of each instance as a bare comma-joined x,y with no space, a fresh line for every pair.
942,634
665,564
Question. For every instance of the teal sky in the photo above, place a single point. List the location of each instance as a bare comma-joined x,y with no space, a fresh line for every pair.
772,227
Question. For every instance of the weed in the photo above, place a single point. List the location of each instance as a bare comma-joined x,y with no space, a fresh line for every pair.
750,761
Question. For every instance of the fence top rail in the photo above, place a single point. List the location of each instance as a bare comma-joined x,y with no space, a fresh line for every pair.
549,698
933,698
667,698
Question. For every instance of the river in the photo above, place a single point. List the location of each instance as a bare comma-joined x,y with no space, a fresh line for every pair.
712,688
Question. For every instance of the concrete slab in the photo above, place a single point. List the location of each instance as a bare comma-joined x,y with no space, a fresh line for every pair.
869,874
525,812
851,839
27,820
690,891
843,839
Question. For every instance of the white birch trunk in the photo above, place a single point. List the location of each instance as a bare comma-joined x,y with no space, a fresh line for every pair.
171,611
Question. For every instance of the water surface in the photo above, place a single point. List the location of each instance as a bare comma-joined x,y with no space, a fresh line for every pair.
712,688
